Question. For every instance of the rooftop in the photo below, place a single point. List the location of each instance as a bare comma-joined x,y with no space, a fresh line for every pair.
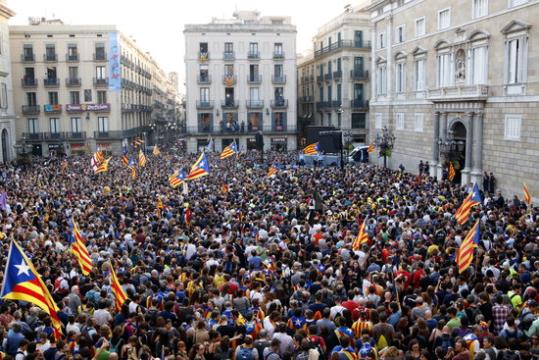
245,20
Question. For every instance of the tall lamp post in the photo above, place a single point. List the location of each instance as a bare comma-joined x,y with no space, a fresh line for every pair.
385,142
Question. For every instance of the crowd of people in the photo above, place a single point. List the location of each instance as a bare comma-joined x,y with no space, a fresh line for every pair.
239,265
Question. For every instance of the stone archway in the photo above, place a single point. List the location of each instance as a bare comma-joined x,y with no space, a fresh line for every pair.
5,146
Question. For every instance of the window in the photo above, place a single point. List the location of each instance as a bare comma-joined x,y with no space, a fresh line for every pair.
102,124
513,125
278,48
100,51
72,53
358,92
420,75
229,48
203,47
74,98
33,126
330,93
278,70
100,72
254,94
517,2
53,97
31,99
279,93
444,70
358,65
358,38
321,90
378,121
399,34
358,121
50,52
76,125
254,121
54,125
229,70
515,61
381,80
28,52
399,77
381,40
101,97
204,94
339,92
418,123
73,72
399,121
444,19
253,72
3,98
87,95
480,8
420,27
479,65
339,116
253,48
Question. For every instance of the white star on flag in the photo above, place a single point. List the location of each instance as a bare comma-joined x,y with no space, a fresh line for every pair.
23,268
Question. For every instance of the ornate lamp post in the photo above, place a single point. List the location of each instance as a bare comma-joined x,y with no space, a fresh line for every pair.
385,143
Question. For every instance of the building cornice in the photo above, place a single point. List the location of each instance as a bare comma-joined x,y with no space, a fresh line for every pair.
239,28
6,12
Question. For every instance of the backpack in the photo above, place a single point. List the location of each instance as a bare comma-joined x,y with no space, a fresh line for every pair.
526,321
245,354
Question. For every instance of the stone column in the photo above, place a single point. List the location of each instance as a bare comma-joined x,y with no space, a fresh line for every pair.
443,136
469,147
477,165
435,146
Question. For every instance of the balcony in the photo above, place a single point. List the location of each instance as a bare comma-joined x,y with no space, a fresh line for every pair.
337,75
33,136
319,79
254,79
31,109
306,99
72,57
278,79
359,75
323,105
71,82
253,55
100,56
278,127
51,82
205,105
336,104
229,56
342,44
52,108
101,82
28,82
359,104
254,104
279,104
28,58
50,58
229,80
204,127
114,134
203,57
76,135
55,135
458,92
204,79
328,77
278,55
229,104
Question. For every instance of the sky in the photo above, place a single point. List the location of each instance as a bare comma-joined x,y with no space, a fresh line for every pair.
157,25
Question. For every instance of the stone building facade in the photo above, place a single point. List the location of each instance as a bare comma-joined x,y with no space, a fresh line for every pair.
460,76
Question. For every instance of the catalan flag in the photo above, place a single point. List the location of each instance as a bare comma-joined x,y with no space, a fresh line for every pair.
229,150
312,149
371,148
103,167
100,156
119,294
97,159
200,168
176,179
160,206
527,196
156,151
463,213
451,172
465,251
23,283
138,141
361,238
141,158
78,248
224,188
125,157
272,171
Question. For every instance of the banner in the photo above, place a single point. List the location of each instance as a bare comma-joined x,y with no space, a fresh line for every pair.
115,78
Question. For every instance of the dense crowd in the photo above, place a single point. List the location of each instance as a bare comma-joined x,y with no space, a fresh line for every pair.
243,266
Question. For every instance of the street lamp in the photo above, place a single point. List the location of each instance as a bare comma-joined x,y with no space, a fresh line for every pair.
385,143
451,148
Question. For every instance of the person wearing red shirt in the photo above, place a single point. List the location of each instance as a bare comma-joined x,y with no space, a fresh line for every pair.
351,306
417,275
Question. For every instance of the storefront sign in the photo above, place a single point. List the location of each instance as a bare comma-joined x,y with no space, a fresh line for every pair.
88,107
52,108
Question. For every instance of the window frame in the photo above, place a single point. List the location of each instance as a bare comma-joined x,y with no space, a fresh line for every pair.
440,28
506,135
102,124
417,34
474,9
421,117
399,121
57,125
402,29
378,121
76,120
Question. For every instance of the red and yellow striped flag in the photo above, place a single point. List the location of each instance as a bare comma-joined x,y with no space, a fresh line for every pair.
361,238
465,251
451,172
371,148
141,158
527,196
103,167
78,248
156,151
272,171
119,294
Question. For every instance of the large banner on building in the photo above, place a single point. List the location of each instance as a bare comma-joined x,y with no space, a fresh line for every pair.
115,78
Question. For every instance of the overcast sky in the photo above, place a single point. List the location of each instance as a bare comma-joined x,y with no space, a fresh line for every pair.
157,24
